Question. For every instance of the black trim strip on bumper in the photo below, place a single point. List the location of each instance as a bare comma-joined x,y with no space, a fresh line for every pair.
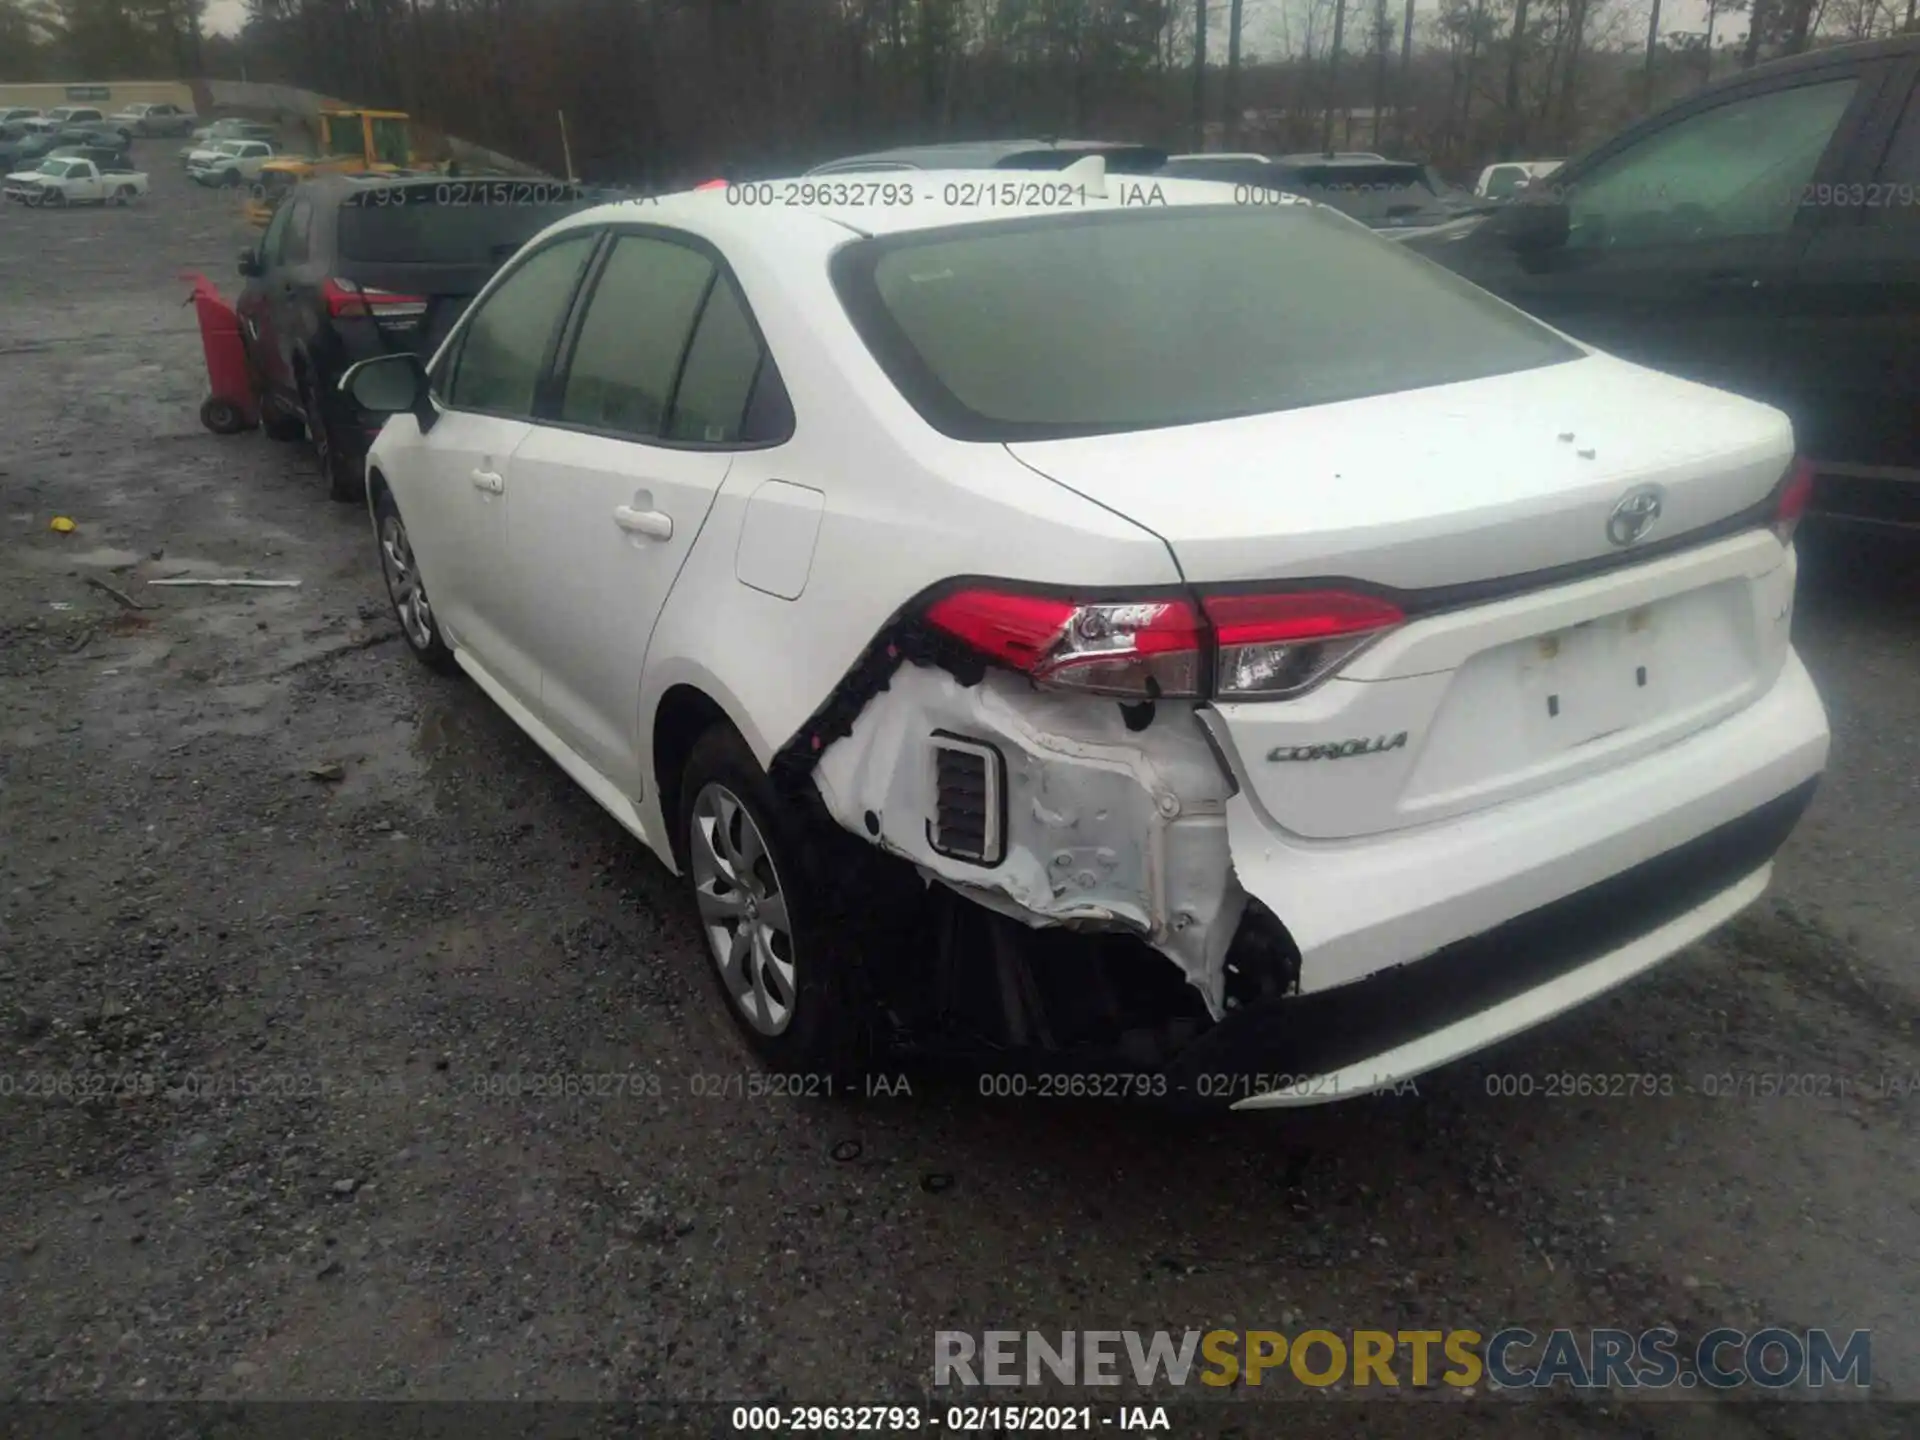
1321,1032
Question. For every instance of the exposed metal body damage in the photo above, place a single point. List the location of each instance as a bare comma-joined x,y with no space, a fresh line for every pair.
1106,826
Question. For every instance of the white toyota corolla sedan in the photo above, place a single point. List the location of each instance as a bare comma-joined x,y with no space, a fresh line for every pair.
1100,619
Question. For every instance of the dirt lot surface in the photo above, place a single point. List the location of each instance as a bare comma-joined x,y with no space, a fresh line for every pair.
336,909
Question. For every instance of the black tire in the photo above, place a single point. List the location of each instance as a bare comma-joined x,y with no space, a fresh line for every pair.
54,199
830,1024
343,484
123,196
419,627
229,178
222,417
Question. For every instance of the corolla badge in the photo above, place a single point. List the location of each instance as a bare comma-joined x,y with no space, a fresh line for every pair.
1338,749
1635,514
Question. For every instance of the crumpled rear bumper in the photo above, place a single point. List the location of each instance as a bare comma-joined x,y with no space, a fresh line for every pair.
1409,1019
1359,906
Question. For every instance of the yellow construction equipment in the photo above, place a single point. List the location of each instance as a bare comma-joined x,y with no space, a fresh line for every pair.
352,142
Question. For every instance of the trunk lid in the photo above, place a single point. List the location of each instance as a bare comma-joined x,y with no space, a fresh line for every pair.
1426,488
1471,703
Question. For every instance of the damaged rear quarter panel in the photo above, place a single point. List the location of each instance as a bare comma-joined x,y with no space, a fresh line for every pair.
1106,827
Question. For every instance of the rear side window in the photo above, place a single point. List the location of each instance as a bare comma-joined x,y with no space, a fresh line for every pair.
507,337
710,406
1117,320
625,363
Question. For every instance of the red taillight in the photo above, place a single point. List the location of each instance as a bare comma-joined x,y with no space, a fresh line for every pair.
1258,647
1275,645
1796,492
344,297
711,185
1140,648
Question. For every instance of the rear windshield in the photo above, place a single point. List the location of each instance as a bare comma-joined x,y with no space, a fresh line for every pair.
1136,319
451,222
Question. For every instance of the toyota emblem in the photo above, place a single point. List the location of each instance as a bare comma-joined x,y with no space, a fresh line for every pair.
1634,514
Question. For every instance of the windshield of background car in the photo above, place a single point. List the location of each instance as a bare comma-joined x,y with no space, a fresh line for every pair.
451,222
1119,320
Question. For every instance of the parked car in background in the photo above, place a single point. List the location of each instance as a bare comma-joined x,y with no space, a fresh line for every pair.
1761,235
34,146
1392,195
1121,157
61,181
228,128
229,162
156,119
1214,578
63,115
352,266
1508,178
107,157
14,114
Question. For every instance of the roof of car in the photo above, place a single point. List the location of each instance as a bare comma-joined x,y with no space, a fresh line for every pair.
715,213
965,154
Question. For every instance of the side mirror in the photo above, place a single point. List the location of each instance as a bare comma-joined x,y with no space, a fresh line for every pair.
250,263
391,385
1529,227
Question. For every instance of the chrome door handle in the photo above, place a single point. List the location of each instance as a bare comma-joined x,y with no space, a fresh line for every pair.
655,523
490,482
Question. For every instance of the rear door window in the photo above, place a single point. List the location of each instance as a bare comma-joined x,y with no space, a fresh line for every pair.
638,320
1738,169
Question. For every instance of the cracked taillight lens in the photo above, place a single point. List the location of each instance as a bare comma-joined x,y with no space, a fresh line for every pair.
1140,649
1277,645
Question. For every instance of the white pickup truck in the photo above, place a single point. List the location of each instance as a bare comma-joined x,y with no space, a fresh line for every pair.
74,182
229,162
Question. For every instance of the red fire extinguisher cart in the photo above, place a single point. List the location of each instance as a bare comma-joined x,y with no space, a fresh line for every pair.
229,407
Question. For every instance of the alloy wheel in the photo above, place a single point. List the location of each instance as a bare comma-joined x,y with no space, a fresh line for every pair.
743,909
403,583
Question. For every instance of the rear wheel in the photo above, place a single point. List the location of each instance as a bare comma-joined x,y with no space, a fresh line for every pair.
787,966
123,195
406,589
342,483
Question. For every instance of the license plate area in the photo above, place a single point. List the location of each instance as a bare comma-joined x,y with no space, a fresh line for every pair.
1594,679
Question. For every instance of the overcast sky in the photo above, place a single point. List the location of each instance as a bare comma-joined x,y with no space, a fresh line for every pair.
1261,32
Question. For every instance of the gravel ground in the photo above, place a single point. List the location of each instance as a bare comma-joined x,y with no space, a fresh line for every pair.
333,905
